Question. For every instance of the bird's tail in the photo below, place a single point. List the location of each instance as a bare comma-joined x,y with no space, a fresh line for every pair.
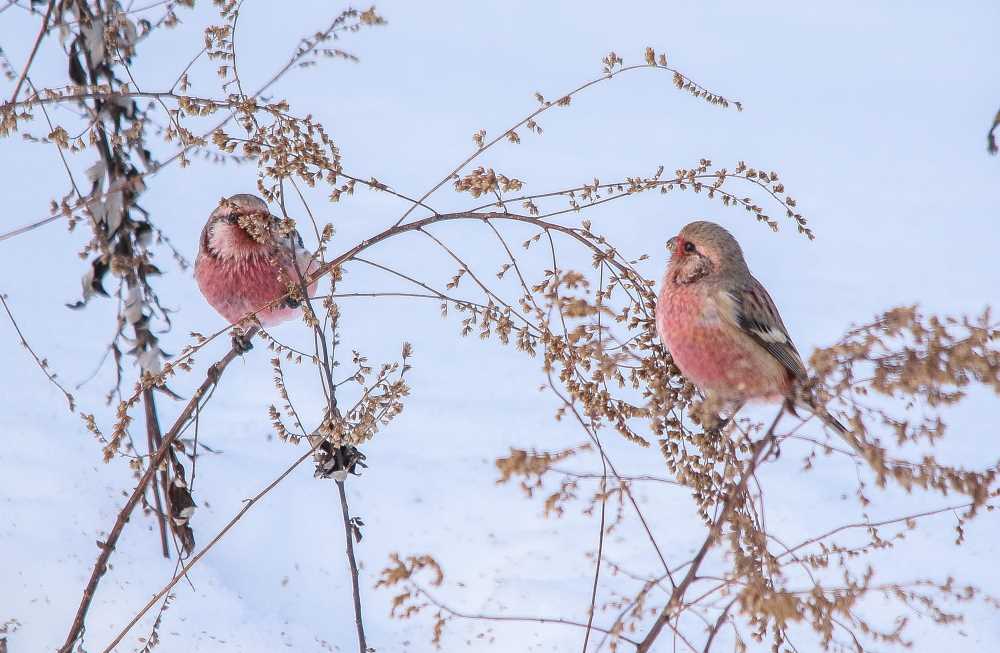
809,405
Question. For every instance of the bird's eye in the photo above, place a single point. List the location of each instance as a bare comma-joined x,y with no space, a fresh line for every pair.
689,246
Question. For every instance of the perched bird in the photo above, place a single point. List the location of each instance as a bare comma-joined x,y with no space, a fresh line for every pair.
723,330
245,261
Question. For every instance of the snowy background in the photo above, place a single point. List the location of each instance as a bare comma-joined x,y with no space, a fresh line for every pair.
874,113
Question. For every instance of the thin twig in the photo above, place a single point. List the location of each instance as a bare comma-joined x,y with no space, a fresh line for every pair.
623,484
153,441
759,452
179,154
248,504
107,546
349,537
718,625
34,51
871,524
333,411
540,620
41,362
563,101
600,554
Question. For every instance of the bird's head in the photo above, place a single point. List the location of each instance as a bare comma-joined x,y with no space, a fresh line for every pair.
239,228
703,250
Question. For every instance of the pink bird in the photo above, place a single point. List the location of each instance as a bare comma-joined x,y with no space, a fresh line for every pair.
723,330
245,262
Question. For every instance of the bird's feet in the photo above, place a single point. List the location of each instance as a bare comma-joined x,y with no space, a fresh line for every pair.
241,343
290,302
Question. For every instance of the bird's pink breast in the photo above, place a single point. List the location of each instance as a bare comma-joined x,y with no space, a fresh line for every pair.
712,352
235,289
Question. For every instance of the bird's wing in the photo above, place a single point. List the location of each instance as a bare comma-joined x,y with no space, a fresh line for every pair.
754,313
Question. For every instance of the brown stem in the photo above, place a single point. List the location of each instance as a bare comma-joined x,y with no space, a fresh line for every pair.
606,462
153,440
34,51
41,362
334,411
247,505
609,74
349,536
761,449
528,619
718,626
418,225
600,555
106,547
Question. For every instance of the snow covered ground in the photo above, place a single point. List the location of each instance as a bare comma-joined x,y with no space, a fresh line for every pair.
874,116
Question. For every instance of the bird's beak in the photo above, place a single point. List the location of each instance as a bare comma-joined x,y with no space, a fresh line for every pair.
672,245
